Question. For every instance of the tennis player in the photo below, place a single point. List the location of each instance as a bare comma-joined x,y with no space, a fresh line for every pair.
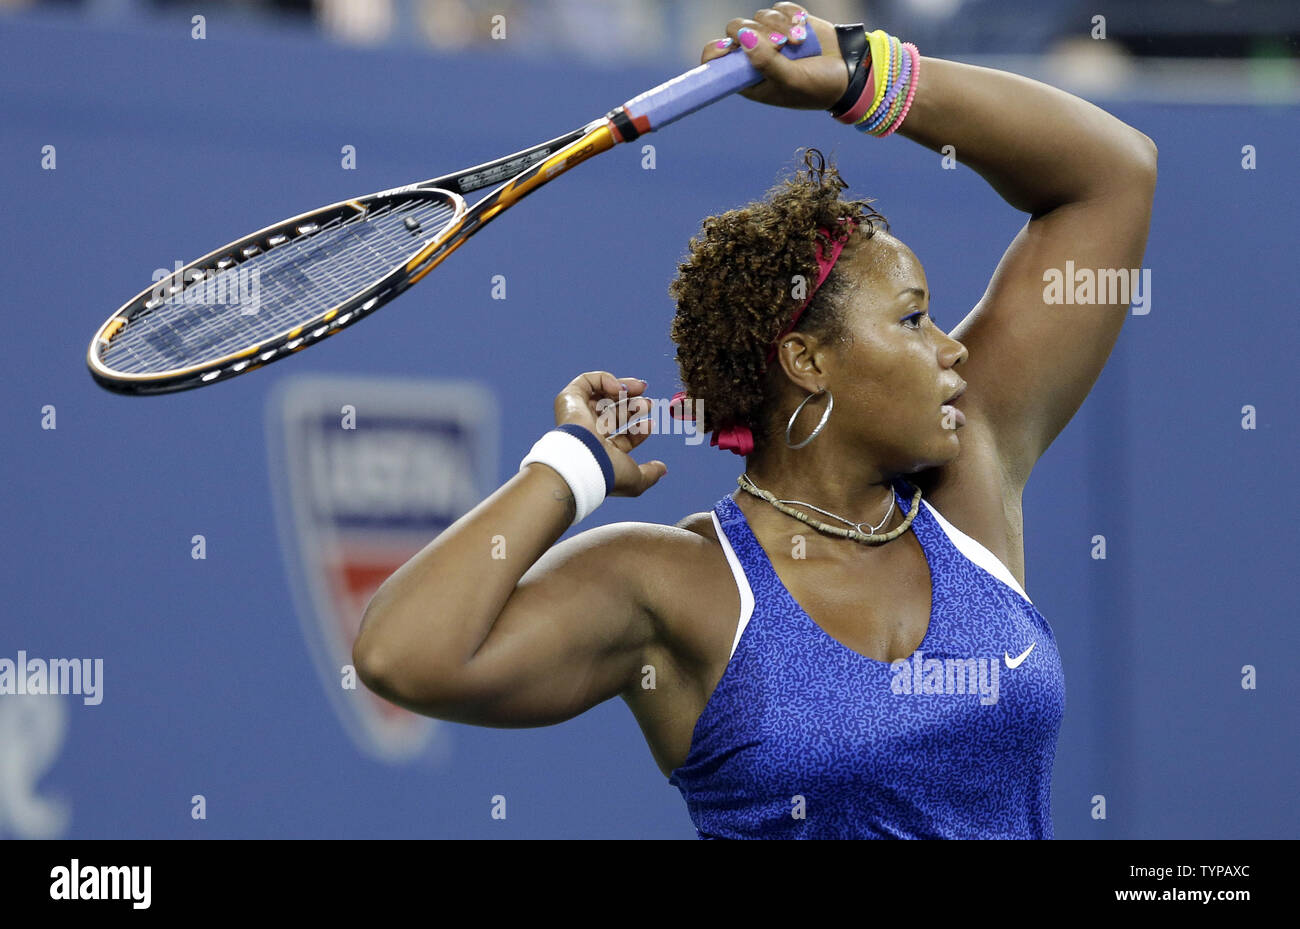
843,646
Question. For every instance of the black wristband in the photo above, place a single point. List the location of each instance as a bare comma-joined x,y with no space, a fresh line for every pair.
854,48
596,448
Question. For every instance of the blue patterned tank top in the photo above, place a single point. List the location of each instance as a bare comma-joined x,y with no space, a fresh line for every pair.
806,738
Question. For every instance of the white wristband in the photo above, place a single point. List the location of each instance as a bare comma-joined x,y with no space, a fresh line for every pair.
572,451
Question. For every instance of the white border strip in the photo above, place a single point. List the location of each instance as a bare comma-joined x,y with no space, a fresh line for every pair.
977,553
742,583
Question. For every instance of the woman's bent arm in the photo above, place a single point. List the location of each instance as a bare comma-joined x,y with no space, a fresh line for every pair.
494,624
1087,181
529,639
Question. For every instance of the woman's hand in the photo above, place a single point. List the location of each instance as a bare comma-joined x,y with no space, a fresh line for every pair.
807,84
602,403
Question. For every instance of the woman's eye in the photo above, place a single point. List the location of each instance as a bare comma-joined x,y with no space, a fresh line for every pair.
917,317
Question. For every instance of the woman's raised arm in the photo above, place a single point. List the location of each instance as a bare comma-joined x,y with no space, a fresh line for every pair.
1044,328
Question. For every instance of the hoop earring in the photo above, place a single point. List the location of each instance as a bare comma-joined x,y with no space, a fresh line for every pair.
795,415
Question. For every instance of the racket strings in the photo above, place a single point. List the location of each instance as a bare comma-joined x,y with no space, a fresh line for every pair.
279,289
192,320
298,271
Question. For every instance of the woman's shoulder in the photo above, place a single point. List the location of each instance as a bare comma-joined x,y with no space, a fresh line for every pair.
687,582
678,563
701,524
673,542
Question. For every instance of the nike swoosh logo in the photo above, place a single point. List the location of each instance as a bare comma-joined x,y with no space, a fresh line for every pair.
1015,662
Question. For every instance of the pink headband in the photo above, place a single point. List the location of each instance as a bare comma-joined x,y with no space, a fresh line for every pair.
739,439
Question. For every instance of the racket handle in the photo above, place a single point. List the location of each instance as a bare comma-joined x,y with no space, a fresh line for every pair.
701,86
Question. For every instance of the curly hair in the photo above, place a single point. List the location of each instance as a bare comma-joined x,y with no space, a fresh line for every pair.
737,289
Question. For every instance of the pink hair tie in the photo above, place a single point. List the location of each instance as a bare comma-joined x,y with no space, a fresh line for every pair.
739,439
677,407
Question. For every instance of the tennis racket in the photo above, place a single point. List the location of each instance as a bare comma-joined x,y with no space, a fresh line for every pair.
288,286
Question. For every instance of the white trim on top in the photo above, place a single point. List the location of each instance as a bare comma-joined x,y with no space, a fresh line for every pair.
742,584
977,553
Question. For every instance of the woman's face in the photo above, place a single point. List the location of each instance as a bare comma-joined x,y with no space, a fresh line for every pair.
893,372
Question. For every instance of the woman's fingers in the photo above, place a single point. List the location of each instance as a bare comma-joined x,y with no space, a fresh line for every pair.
793,16
776,26
651,471
787,23
590,387
606,405
767,26
626,423
716,48
808,83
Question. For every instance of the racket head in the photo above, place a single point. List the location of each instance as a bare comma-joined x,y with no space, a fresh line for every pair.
274,292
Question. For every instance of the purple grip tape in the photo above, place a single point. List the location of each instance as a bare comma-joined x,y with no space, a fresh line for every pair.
706,84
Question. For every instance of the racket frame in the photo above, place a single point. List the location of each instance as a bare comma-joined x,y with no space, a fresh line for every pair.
522,172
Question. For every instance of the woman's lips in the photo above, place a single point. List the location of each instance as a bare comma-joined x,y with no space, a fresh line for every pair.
951,413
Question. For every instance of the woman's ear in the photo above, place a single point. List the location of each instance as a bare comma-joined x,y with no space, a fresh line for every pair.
804,360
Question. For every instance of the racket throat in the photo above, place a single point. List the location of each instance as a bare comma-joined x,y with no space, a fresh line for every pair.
624,127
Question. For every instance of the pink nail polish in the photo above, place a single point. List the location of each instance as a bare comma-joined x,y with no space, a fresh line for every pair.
800,16
798,33
778,39
748,38
722,43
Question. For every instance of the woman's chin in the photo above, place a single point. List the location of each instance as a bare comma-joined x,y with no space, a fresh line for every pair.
948,451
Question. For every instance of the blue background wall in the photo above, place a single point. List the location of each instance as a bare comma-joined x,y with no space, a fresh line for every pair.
168,146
